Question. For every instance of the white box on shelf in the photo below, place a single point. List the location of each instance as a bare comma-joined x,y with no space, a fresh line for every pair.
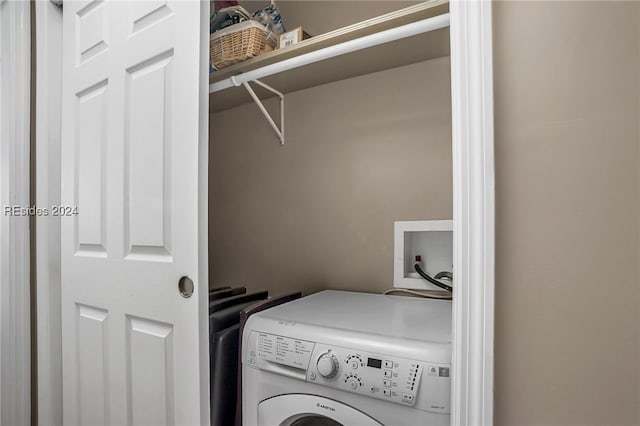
432,240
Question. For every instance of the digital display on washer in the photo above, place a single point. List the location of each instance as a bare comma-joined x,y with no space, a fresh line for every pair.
375,363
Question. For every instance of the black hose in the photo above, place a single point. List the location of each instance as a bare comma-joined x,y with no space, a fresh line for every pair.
435,282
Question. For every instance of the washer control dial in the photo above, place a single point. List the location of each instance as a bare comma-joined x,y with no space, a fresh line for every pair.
328,365
354,361
353,381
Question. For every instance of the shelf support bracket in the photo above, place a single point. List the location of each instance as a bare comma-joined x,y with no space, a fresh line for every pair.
279,131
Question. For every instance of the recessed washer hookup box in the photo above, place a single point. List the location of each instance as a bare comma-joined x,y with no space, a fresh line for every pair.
432,240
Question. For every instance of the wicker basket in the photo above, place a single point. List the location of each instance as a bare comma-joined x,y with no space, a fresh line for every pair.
239,42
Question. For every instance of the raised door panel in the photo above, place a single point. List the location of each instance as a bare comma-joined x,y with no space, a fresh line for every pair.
90,185
150,364
148,161
91,24
143,14
93,376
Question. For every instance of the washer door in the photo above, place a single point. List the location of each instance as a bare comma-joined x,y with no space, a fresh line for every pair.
309,410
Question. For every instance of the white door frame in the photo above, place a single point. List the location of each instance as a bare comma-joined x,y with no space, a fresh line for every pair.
15,281
48,125
473,212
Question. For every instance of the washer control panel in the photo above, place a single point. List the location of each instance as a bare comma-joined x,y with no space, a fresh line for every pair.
388,378
374,375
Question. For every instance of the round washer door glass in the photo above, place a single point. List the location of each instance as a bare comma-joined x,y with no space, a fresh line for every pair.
310,410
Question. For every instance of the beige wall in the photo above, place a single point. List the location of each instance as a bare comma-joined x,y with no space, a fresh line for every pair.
567,280
318,212
318,17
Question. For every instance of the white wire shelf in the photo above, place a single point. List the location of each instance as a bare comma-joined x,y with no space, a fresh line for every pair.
400,38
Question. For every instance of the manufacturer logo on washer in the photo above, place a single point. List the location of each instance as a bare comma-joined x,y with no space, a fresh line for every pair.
326,407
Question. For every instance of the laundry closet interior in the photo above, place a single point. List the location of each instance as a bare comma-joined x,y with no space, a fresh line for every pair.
307,190
367,142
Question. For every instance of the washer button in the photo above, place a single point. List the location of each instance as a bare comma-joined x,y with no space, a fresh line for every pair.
388,364
407,397
386,392
387,383
387,373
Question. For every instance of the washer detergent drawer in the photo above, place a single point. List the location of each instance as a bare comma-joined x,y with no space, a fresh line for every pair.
309,410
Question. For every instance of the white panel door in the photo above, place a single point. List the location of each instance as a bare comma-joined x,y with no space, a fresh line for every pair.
135,350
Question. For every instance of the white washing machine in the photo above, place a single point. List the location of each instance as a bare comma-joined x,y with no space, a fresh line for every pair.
342,358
